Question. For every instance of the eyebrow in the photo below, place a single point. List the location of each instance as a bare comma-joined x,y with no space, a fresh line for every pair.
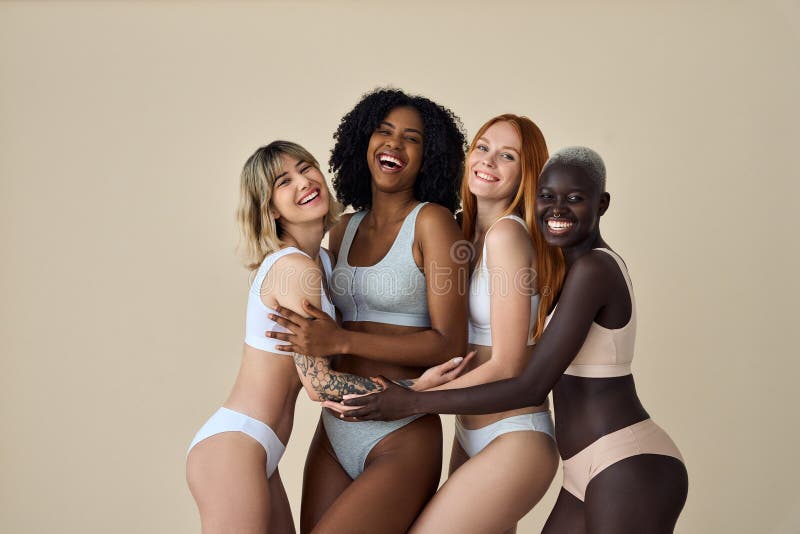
390,125
284,173
502,147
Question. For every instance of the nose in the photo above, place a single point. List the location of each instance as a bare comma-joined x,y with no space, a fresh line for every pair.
488,160
303,182
558,205
394,141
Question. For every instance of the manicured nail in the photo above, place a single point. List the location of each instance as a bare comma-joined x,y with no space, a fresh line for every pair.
458,359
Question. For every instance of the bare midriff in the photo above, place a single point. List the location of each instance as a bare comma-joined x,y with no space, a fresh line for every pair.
471,422
266,389
348,363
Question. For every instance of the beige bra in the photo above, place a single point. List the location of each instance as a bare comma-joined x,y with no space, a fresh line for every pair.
607,352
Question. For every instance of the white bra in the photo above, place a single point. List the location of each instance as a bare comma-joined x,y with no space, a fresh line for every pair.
258,321
480,324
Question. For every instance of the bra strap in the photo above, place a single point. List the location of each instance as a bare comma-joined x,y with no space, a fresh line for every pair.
349,234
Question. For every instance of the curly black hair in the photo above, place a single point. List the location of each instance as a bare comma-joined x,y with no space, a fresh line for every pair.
444,146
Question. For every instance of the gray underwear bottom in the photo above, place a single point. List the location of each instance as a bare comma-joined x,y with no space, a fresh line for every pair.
353,441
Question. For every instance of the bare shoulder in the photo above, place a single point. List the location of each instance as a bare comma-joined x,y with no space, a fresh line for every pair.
295,262
509,233
433,217
593,267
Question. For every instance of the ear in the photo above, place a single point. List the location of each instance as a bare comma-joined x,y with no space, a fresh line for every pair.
273,212
605,200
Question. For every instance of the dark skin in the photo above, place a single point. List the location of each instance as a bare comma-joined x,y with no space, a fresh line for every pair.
402,471
643,493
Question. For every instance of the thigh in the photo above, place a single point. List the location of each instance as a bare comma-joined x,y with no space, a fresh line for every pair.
400,475
502,483
323,480
280,521
458,456
227,477
567,516
640,494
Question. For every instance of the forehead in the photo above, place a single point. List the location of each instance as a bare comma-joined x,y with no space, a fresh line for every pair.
502,133
405,117
567,177
288,162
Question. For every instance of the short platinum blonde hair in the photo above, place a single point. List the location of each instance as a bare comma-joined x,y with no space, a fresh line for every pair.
261,233
582,157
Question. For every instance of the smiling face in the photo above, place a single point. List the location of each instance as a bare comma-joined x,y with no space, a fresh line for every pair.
299,193
569,206
394,152
495,169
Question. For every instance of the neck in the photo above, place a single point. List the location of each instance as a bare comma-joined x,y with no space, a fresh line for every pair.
391,207
572,253
488,211
305,236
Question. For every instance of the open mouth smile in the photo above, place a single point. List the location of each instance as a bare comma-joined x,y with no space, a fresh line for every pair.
486,177
390,162
309,197
558,226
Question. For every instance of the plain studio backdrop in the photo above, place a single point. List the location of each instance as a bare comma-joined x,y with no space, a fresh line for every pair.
123,128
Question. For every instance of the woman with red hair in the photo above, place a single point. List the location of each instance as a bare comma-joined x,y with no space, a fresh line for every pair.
513,451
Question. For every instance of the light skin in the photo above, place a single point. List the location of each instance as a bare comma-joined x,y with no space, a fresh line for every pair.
227,472
642,493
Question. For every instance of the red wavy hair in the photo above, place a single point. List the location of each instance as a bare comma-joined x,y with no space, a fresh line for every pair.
549,260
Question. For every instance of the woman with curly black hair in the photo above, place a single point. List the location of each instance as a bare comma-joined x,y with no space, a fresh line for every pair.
398,159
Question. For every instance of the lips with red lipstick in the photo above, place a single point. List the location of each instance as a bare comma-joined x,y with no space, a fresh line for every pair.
310,197
390,162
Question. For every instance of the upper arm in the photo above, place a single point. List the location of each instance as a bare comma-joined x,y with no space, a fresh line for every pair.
336,234
583,295
509,259
437,235
297,277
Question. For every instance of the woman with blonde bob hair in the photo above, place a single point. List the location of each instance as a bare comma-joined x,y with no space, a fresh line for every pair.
232,464
512,452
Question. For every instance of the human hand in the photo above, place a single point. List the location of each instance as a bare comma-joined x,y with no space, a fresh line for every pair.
317,336
442,373
394,402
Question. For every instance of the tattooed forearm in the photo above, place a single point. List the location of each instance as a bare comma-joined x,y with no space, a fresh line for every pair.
329,384
407,383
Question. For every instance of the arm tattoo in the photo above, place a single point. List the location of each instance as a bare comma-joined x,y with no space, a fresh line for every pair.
407,383
330,384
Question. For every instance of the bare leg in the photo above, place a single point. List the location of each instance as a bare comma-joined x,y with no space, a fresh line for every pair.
280,521
643,494
517,469
401,473
458,456
227,477
567,516
323,480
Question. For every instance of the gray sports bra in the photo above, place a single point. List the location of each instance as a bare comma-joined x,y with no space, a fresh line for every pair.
392,291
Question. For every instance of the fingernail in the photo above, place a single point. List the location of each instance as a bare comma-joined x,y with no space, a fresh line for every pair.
458,359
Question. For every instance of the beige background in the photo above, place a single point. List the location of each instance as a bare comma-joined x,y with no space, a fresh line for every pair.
123,127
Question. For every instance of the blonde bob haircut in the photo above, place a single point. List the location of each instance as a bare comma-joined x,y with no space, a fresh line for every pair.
261,233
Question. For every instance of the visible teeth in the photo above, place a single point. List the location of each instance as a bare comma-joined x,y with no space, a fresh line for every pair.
484,176
386,158
558,224
309,198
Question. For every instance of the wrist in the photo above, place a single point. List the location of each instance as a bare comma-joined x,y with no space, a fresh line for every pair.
418,404
343,343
